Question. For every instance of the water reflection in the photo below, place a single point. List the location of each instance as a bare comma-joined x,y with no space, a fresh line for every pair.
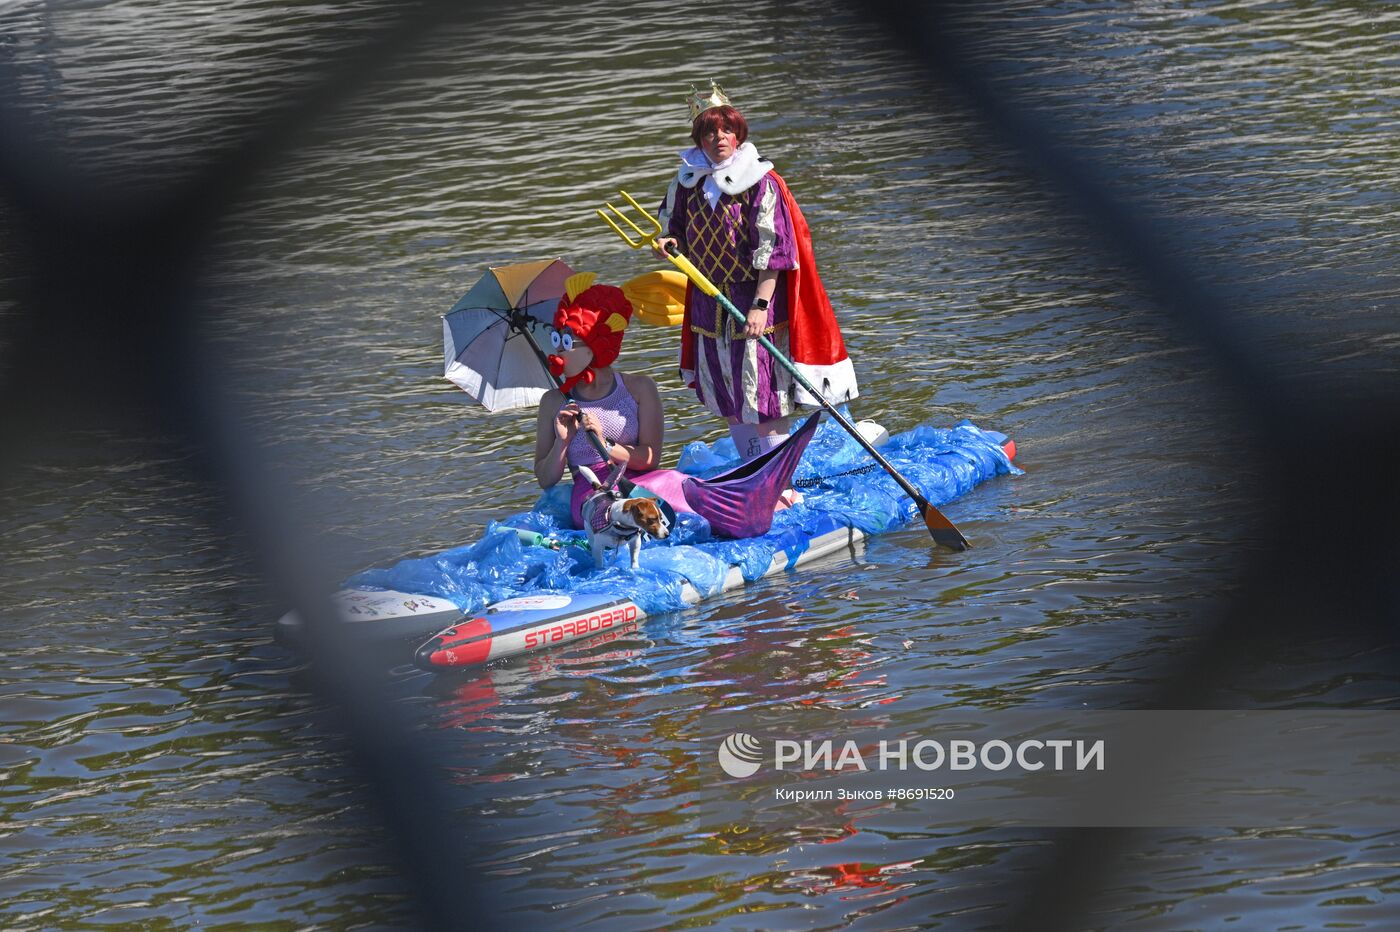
160,759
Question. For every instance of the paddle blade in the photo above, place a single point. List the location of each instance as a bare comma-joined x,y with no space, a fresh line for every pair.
658,298
943,532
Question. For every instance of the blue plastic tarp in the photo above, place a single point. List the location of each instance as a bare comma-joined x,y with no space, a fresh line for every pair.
942,463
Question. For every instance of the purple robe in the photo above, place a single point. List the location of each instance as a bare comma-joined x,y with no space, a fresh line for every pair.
730,244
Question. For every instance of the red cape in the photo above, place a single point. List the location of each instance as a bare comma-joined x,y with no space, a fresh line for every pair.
814,337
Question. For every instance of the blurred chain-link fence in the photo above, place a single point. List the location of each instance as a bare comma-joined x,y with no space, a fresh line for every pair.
121,268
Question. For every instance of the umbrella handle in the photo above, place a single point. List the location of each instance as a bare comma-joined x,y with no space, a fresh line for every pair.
519,322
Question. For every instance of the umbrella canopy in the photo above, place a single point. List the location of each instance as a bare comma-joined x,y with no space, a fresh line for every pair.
493,364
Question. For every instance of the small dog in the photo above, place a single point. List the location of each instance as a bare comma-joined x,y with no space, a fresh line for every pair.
612,520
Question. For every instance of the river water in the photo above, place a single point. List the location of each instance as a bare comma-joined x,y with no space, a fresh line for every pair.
166,764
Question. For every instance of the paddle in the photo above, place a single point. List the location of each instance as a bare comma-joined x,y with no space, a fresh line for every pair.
943,531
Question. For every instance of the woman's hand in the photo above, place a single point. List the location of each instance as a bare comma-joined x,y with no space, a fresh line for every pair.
590,422
756,324
662,242
566,422
615,451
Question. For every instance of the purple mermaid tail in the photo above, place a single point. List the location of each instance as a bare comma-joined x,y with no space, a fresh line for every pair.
738,503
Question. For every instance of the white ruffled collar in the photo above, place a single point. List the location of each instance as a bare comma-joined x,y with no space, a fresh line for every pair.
734,175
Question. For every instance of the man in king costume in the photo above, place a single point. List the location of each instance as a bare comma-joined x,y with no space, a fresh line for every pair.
736,220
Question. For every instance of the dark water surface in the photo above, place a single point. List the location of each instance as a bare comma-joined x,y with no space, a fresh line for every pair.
162,762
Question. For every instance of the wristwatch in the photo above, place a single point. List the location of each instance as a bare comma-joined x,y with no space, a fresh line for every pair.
759,304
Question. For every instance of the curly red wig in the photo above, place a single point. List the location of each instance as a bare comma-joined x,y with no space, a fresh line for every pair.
598,316
725,117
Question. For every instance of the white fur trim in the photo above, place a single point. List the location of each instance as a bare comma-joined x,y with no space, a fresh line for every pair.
688,376
734,175
837,382
695,165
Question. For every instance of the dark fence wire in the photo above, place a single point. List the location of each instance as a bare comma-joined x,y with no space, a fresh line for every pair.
72,237
1330,557
124,272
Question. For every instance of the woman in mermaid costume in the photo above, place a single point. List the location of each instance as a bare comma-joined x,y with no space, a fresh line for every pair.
624,410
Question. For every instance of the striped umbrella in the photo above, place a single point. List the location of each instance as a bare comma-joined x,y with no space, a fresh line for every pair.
486,356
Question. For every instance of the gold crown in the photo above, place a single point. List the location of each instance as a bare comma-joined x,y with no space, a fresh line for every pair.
700,101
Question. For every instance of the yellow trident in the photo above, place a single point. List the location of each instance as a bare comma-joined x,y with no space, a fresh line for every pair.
649,239
943,531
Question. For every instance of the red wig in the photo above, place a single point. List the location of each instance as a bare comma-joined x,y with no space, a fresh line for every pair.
725,117
597,316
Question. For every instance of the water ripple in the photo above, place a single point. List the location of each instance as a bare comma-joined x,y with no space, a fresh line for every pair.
159,762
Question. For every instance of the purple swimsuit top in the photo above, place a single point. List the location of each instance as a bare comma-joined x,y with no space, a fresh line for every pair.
617,412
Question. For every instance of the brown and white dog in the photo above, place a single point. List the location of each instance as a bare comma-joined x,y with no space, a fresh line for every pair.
612,520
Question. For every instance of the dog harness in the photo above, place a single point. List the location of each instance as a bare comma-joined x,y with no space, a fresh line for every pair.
602,517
